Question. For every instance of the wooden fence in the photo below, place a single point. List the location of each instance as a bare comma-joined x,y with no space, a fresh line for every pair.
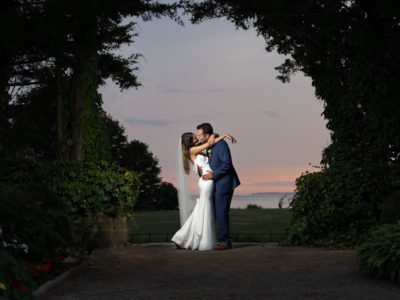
258,237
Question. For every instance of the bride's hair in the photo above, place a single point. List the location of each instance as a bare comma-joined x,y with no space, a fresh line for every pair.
187,142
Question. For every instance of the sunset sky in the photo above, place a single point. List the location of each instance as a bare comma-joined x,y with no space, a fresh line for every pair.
212,72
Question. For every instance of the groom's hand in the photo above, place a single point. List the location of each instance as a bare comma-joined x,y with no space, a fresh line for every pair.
207,176
199,171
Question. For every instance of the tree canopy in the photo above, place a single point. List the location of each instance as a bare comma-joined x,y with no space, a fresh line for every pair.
72,47
55,55
349,49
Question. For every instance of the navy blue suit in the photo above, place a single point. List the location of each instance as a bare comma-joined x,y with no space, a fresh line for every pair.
225,181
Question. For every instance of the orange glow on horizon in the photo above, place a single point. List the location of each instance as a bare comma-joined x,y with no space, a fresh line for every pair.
253,180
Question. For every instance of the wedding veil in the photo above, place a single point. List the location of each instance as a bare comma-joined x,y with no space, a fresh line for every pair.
185,203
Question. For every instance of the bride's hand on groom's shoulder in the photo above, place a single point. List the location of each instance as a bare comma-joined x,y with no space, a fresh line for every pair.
231,138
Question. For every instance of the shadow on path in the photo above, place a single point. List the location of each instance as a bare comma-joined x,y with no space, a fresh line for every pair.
248,271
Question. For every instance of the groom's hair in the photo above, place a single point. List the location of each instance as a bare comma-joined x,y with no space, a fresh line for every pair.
207,128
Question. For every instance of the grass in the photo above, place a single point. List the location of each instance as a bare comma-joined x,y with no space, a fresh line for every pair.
265,225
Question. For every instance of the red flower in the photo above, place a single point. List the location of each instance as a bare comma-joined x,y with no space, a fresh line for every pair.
20,286
36,269
58,258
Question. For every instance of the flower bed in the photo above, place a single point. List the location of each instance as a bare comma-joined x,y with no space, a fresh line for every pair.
19,278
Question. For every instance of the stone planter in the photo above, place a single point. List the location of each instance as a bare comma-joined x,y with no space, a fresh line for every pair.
112,232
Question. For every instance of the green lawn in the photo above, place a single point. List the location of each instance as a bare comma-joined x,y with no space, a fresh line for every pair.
246,225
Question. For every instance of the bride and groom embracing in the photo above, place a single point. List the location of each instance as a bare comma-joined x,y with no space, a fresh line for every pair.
208,155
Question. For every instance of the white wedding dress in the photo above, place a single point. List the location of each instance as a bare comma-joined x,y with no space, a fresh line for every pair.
199,230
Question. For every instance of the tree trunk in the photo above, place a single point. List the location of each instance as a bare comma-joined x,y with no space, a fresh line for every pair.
78,122
4,99
61,146
85,77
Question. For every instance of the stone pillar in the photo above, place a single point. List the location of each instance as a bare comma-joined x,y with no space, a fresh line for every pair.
112,232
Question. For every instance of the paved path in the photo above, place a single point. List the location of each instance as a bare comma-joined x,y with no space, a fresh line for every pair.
245,272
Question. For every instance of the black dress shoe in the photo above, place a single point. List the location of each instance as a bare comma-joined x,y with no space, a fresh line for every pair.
178,246
222,246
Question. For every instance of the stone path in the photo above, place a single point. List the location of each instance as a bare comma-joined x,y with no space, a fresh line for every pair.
245,272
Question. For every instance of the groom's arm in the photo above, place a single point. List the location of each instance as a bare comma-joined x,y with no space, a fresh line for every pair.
224,155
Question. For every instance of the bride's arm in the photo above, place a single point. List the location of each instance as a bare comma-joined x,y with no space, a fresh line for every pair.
211,141
227,135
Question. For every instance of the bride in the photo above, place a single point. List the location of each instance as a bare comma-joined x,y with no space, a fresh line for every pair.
198,229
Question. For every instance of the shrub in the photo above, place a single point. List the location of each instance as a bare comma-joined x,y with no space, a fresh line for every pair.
96,188
310,209
253,206
379,255
15,280
45,203
30,211
167,198
27,216
90,190
336,206
391,209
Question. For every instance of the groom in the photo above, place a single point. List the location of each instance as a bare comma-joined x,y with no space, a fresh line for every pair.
225,181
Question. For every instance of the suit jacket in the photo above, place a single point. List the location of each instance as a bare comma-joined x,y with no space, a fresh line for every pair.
224,174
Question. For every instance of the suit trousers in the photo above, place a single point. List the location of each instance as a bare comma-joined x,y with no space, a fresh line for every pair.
222,204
